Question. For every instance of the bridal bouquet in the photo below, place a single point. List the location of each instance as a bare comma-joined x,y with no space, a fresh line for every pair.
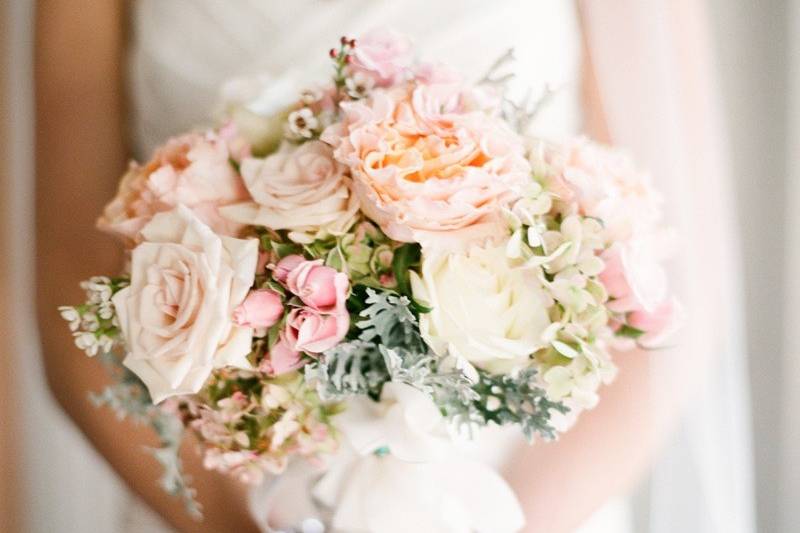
357,280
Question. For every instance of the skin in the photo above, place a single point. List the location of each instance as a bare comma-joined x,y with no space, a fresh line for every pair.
80,154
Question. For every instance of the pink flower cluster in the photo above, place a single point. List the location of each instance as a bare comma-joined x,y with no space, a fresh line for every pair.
603,183
317,322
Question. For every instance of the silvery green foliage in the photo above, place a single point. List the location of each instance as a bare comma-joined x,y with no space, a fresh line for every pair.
351,367
129,398
388,320
508,399
389,347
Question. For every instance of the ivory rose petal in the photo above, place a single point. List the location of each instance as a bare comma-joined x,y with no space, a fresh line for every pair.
175,316
482,308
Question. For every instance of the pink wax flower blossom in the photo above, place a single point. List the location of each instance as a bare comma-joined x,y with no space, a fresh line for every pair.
384,55
312,332
261,309
281,359
431,163
193,170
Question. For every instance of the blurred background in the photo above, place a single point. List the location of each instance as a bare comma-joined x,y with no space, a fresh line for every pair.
46,466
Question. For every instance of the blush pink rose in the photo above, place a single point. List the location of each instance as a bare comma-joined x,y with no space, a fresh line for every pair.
261,309
313,332
431,163
193,170
384,55
320,287
285,266
633,278
281,359
637,285
653,322
605,184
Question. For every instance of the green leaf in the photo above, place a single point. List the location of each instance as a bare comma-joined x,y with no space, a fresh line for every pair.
335,259
284,249
405,258
630,332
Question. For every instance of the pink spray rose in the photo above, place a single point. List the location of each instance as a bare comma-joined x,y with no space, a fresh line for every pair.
313,332
193,170
320,287
261,309
638,285
281,359
431,163
384,55
285,266
323,321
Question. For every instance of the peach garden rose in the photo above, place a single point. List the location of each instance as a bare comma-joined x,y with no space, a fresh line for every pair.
429,163
193,170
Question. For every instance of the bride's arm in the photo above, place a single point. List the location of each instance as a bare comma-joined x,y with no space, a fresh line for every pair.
79,154
561,484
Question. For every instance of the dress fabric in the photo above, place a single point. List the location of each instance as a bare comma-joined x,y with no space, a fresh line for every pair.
182,51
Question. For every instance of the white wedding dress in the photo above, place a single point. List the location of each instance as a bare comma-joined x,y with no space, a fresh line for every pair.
182,50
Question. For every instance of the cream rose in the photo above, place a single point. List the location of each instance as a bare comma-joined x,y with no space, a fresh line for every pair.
301,189
176,314
483,309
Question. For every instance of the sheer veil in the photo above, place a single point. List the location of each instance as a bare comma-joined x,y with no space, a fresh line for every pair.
654,67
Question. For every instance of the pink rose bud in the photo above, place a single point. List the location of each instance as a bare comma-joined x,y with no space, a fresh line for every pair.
261,309
281,359
320,287
312,332
286,265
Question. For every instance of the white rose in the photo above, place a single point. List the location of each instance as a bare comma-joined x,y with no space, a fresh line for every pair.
483,309
299,188
176,314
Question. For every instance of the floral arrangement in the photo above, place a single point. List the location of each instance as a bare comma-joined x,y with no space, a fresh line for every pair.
386,265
